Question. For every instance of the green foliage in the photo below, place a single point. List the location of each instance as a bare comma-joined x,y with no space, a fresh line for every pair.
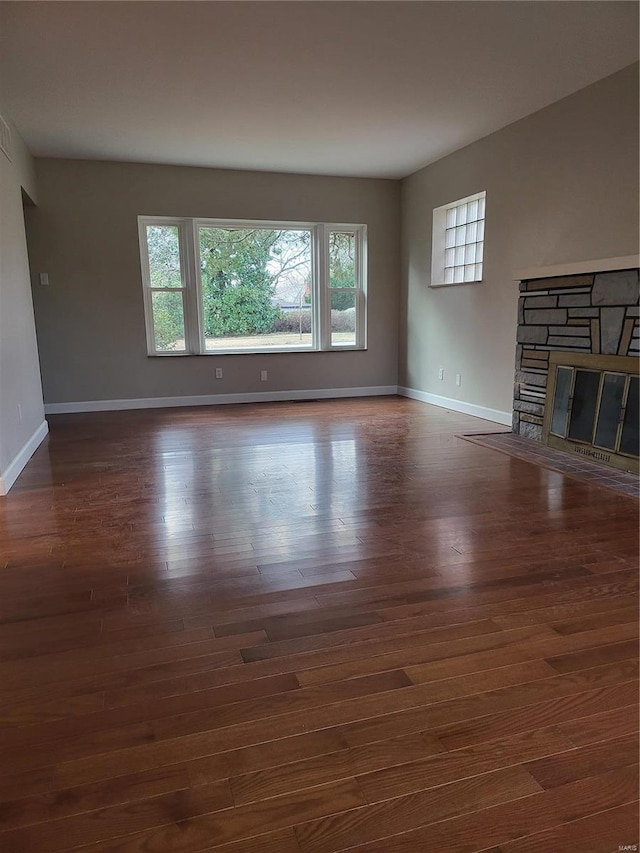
168,324
341,301
342,268
164,255
164,268
342,259
237,287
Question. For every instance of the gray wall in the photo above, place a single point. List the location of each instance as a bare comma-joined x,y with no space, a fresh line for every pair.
562,186
90,319
21,410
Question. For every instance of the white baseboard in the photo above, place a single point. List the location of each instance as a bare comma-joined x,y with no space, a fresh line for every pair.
483,412
218,399
11,474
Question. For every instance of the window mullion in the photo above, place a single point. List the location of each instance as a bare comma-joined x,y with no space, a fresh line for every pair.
146,288
361,295
193,325
323,288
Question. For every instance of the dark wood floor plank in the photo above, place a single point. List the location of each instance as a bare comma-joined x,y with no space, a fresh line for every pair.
608,831
281,841
514,654
329,767
379,628
51,806
551,712
617,722
270,754
348,701
416,654
476,715
205,719
50,668
556,614
124,819
242,822
593,657
596,620
316,667
15,785
424,772
586,761
384,819
129,715
322,626
481,829
568,587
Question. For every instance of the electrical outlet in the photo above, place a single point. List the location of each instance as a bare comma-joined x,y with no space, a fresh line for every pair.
44,279
218,373
441,373
458,379
263,375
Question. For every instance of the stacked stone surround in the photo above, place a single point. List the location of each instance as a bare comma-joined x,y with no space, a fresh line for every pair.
587,313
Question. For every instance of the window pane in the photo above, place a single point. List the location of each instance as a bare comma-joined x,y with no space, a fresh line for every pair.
342,259
256,287
461,214
470,253
450,238
163,244
610,409
451,217
472,211
458,275
479,252
168,321
448,275
343,318
480,233
461,235
478,272
560,410
469,272
472,232
583,410
481,207
449,257
629,438
459,256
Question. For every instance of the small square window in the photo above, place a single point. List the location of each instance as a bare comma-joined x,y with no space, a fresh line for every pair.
457,249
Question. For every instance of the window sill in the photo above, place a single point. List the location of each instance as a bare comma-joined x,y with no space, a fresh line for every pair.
265,351
454,283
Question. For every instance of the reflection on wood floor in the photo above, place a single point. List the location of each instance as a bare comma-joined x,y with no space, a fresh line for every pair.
310,628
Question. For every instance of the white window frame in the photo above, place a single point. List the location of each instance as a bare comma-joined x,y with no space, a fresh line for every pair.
438,247
326,290
188,229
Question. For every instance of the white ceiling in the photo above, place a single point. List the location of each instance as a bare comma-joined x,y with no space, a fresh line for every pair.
374,89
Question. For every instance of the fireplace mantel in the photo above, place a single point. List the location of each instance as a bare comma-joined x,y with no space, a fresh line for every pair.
626,262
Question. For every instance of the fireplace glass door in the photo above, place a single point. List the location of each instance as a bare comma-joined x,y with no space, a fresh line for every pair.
592,408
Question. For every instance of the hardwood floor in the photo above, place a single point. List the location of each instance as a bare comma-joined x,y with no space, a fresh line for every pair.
312,628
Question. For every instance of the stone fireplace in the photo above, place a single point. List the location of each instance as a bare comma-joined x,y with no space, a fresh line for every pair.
566,315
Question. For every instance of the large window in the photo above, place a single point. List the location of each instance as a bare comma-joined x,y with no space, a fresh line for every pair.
457,246
214,286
